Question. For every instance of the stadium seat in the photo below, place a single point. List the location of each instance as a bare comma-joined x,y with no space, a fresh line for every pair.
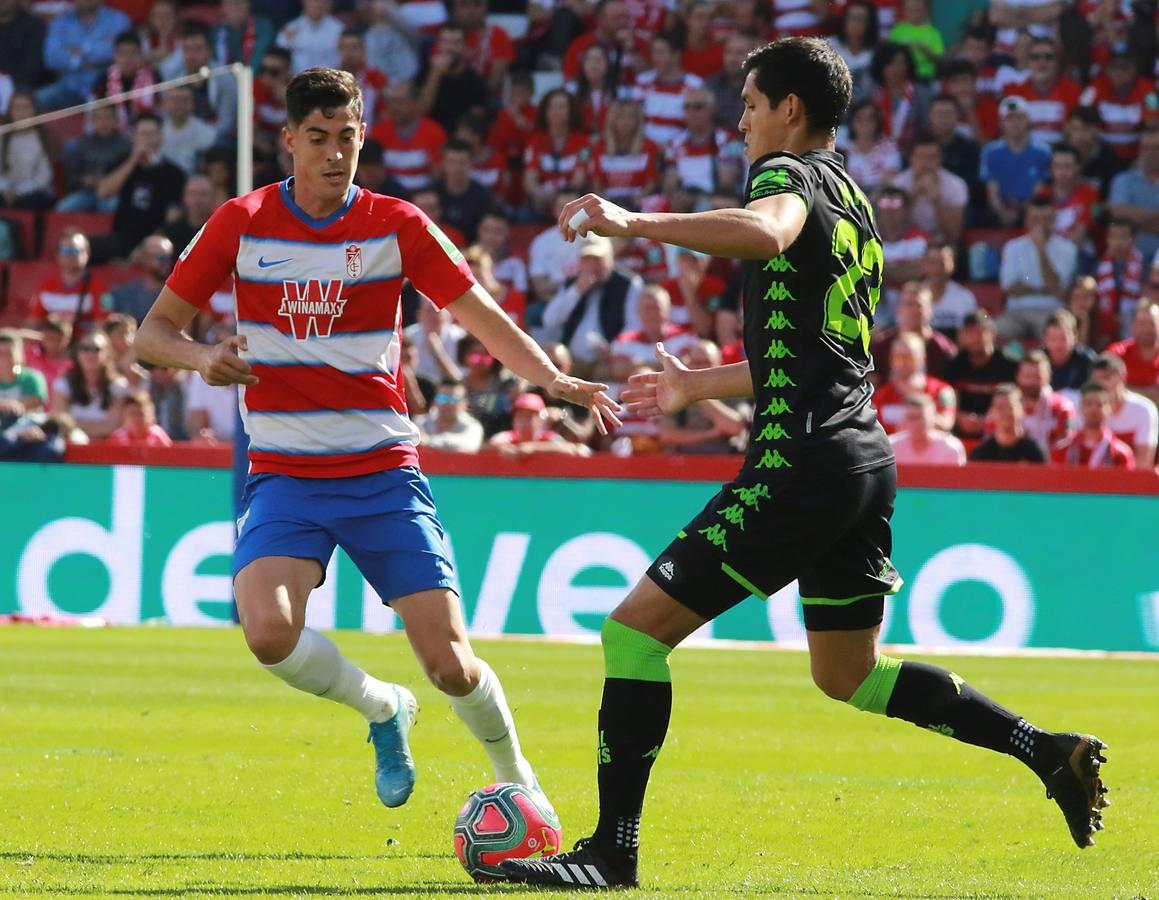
20,282
25,231
55,223
995,237
205,13
521,237
544,82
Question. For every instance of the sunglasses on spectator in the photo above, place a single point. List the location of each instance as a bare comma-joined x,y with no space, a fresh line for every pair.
272,70
1042,56
695,105
446,399
68,250
88,348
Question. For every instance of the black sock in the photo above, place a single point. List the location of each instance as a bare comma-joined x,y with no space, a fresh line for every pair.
933,698
633,721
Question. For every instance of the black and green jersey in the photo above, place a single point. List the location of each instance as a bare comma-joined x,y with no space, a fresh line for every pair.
808,315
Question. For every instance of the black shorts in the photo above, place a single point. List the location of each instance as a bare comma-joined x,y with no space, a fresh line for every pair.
831,535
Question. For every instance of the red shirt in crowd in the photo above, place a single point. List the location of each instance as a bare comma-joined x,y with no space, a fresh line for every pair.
1140,372
638,58
411,158
511,131
704,62
1077,208
624,176
155,436
54,296
556,165
707,295
1122,116
1048,111
487,46
890,402
373,84
1108,452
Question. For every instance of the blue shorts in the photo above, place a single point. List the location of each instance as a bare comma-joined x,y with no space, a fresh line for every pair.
386,522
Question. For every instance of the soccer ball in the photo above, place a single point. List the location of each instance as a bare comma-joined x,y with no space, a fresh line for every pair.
504,821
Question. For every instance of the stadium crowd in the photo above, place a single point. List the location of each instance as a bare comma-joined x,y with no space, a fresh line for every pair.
1010,148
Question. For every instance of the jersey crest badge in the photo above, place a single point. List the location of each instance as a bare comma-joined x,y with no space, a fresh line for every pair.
312,306
353,260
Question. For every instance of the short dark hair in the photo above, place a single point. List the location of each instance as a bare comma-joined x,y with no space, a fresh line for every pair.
1108,362
457,146
885,54
980,318
354,33
1040,201
128,37
1063,147
952,68
192,28
147,116
1035,357
671,38
324,89
279,53
809,68
1121,223
947,98
1087,114
1093,387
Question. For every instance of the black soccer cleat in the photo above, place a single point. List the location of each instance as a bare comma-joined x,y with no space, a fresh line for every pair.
1076,787
584,868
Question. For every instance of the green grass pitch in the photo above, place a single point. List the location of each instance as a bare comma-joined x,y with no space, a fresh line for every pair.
165,763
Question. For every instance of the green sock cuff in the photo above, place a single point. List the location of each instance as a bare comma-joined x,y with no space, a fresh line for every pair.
874,693
631,654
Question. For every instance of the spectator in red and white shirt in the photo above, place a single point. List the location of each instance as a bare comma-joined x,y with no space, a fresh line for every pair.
488,166
1094,446
1075,201
1015,18
412,145
515,120
627,51
557,151
352,58
74,291
510,300
799,17
871,158
661,90
625,164
702,55
489,48
1140,352
703,157
907,376
1049,416
270,99
920,441
637,347
1120,274
1125,102
914,315
1133,418
1049,95
977,49
903,101
139,426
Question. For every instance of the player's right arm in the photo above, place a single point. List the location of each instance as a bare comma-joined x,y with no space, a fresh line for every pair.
200,270
162,341
676,387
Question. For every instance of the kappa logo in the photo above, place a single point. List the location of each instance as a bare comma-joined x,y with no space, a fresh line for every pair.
312,306
667,569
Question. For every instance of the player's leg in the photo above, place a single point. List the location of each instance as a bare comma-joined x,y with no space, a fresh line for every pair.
401,549
271,601
434,625
847,666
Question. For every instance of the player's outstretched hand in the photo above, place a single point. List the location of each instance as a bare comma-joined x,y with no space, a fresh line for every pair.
592,396
658,393
602,217
222,364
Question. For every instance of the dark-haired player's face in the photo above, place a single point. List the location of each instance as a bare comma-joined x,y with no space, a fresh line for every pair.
325,151
764,128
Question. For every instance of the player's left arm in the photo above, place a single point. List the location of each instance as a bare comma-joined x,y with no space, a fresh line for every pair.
765,228
478,312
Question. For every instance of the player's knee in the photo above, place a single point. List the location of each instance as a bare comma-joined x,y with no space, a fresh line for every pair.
838,682
271,640
453,674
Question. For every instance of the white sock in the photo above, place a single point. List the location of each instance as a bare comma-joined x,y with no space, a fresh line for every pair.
485,712
317,667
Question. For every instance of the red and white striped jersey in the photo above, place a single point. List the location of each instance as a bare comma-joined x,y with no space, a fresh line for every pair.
54,296
412,159
663,103
696,162
556,166
318,303
1122,115
1048,111
795,17
623,176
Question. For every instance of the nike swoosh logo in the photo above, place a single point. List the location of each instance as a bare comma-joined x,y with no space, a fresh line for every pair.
263,263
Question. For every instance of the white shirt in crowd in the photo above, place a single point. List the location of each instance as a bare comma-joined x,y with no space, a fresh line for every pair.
553,258
1136,422
428,366
952,191
1021,265
951,308
942,450
185,145
219,404
312,43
